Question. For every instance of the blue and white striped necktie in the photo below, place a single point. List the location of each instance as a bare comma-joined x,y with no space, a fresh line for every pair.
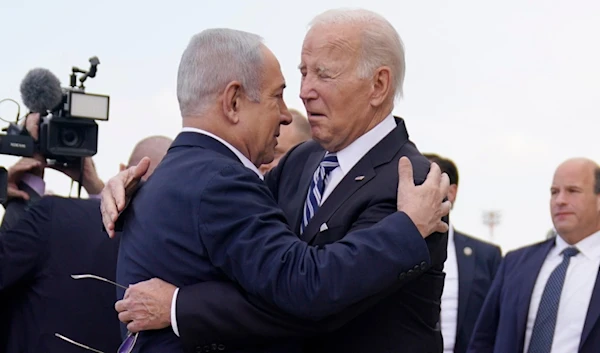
317,186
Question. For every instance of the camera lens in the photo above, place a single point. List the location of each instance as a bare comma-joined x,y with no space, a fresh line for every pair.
69,137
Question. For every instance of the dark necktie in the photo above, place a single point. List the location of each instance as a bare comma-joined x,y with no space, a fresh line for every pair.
317,186
545,319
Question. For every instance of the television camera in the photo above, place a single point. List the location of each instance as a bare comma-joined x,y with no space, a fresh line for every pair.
68,131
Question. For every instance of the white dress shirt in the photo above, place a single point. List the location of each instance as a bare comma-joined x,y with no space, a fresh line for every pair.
349,156
246,162
576,293
449,313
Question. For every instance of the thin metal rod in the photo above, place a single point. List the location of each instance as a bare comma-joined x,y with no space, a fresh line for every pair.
98,278
76,343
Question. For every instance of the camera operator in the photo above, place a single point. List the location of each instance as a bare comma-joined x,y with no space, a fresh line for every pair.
26,179
50,239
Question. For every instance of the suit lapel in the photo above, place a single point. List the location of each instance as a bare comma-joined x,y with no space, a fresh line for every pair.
307,174
340,194
383,152
465,258
593,313
528,280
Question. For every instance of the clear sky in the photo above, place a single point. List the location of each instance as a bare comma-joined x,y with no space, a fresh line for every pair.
507,89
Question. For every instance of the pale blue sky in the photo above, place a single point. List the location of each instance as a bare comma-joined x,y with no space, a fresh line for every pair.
508,89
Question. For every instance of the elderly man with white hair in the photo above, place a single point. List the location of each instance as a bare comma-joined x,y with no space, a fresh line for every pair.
330,189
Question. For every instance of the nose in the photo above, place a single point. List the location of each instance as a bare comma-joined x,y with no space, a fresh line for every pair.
560,198
285,117
307,88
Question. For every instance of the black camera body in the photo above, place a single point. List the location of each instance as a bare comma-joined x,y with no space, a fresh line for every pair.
16,142
70,131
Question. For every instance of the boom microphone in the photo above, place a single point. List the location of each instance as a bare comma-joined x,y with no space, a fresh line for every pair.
41,91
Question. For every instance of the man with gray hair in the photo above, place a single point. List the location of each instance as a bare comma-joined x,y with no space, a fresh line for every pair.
206,216
352,68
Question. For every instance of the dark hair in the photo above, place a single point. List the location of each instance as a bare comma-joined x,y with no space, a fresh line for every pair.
446,165
597,180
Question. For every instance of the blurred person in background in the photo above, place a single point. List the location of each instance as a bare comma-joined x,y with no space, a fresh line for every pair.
470,269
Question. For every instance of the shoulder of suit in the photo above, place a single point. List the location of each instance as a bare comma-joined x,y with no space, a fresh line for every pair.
58,204
475,240
528,248
480,243
420,163
211,164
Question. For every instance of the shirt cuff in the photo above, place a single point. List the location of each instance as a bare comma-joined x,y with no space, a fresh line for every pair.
95,197
174,313
34,182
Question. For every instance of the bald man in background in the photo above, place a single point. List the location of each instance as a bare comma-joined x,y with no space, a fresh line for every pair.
153,147
290,135
546,296
56,238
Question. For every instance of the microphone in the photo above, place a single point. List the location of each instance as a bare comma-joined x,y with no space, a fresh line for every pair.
41,91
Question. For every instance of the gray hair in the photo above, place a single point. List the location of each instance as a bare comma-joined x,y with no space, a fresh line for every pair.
213,59
381,44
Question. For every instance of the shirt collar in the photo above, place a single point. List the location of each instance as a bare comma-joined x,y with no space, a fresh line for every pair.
245,161
349,156
589,247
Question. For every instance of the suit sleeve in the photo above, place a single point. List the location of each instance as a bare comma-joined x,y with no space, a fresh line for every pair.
203,315
221,312
23,246
251,243
484,334
16,208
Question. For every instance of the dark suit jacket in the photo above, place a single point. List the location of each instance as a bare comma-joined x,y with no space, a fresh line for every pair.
406,320
56,238
477,266
204,216
15,209
502,322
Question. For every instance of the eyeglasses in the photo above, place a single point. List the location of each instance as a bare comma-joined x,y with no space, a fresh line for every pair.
127,344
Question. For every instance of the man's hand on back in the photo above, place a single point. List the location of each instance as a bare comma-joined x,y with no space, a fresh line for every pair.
117,193
424,204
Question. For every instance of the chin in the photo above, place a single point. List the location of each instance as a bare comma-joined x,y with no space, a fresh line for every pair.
562,228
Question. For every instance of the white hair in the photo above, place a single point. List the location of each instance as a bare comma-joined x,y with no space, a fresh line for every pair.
380,43
213,59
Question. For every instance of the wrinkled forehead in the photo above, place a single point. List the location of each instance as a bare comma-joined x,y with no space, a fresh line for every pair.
331,41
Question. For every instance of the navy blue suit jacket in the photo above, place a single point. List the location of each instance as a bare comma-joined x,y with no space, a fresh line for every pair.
502,322
404,317
203,216
477,263
55,238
